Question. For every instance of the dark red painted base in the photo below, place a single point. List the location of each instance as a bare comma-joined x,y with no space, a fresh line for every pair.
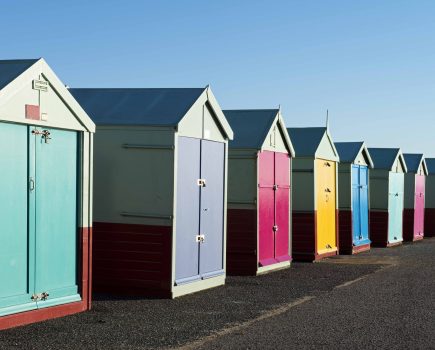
408,225
379,228
28,317
346,235
429,222
132,259
242,242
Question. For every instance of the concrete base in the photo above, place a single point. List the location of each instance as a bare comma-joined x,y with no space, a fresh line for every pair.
189,288
274,267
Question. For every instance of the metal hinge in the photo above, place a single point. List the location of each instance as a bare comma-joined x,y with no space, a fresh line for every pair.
328,246
40,296
201,182
199,238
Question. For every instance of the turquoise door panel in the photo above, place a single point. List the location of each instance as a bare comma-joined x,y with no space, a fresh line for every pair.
16,245
356,209
395,207
56,217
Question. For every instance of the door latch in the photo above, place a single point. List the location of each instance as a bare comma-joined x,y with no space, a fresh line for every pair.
200,238
275,228
45,134
31,184
202,182
275,187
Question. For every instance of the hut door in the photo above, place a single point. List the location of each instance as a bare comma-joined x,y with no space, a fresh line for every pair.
54,170
360,204
16,241
187,214
266,208
326,206
274,200
200,210
395,207
419,205
282,206
212,209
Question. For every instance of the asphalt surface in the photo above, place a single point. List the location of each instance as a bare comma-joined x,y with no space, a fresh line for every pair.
384,298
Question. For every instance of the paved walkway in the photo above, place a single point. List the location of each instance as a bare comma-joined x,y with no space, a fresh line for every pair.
381,299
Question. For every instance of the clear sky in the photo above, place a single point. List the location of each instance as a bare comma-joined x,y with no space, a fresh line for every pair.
370,62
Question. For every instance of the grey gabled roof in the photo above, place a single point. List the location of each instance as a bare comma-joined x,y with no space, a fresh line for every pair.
306,140
11,69
413,161
250,126
349,151
384,158
159,107
430,164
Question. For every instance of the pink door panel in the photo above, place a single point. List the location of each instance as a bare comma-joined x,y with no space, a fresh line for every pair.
266,208
282,206
419,205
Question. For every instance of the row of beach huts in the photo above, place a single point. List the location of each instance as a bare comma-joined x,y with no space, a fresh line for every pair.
172,193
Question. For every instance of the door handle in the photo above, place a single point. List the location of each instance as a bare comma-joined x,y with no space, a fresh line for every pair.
31,184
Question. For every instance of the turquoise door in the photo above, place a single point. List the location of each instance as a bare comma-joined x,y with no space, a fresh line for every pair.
16,242
38,239
395,207
56,217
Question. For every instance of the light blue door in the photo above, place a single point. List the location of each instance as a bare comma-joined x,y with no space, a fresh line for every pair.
364,204
56,217
16,242
187,213
211,258
395,207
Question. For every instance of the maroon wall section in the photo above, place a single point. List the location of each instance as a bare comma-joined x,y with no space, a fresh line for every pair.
132,259
379,228
429,222
345,231
408,224
85,271
242,242
304,236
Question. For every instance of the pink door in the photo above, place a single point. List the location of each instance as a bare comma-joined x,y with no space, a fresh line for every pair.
266,208
419,205
282,206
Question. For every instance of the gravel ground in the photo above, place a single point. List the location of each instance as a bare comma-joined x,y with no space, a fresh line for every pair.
384,298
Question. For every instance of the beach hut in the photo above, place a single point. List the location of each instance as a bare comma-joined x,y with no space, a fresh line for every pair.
314,193
413,213
160,190
46,164
353,197
386,196
429,211
259,175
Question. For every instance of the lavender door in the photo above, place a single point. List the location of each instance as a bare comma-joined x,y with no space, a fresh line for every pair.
187,213
282,206
266,208
211,262
419,206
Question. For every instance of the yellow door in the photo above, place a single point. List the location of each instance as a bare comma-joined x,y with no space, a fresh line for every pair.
326,206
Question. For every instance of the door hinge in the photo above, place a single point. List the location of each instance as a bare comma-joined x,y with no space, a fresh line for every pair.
201,182
199,238
40,296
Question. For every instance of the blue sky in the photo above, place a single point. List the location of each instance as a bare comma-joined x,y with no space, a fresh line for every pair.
371,63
